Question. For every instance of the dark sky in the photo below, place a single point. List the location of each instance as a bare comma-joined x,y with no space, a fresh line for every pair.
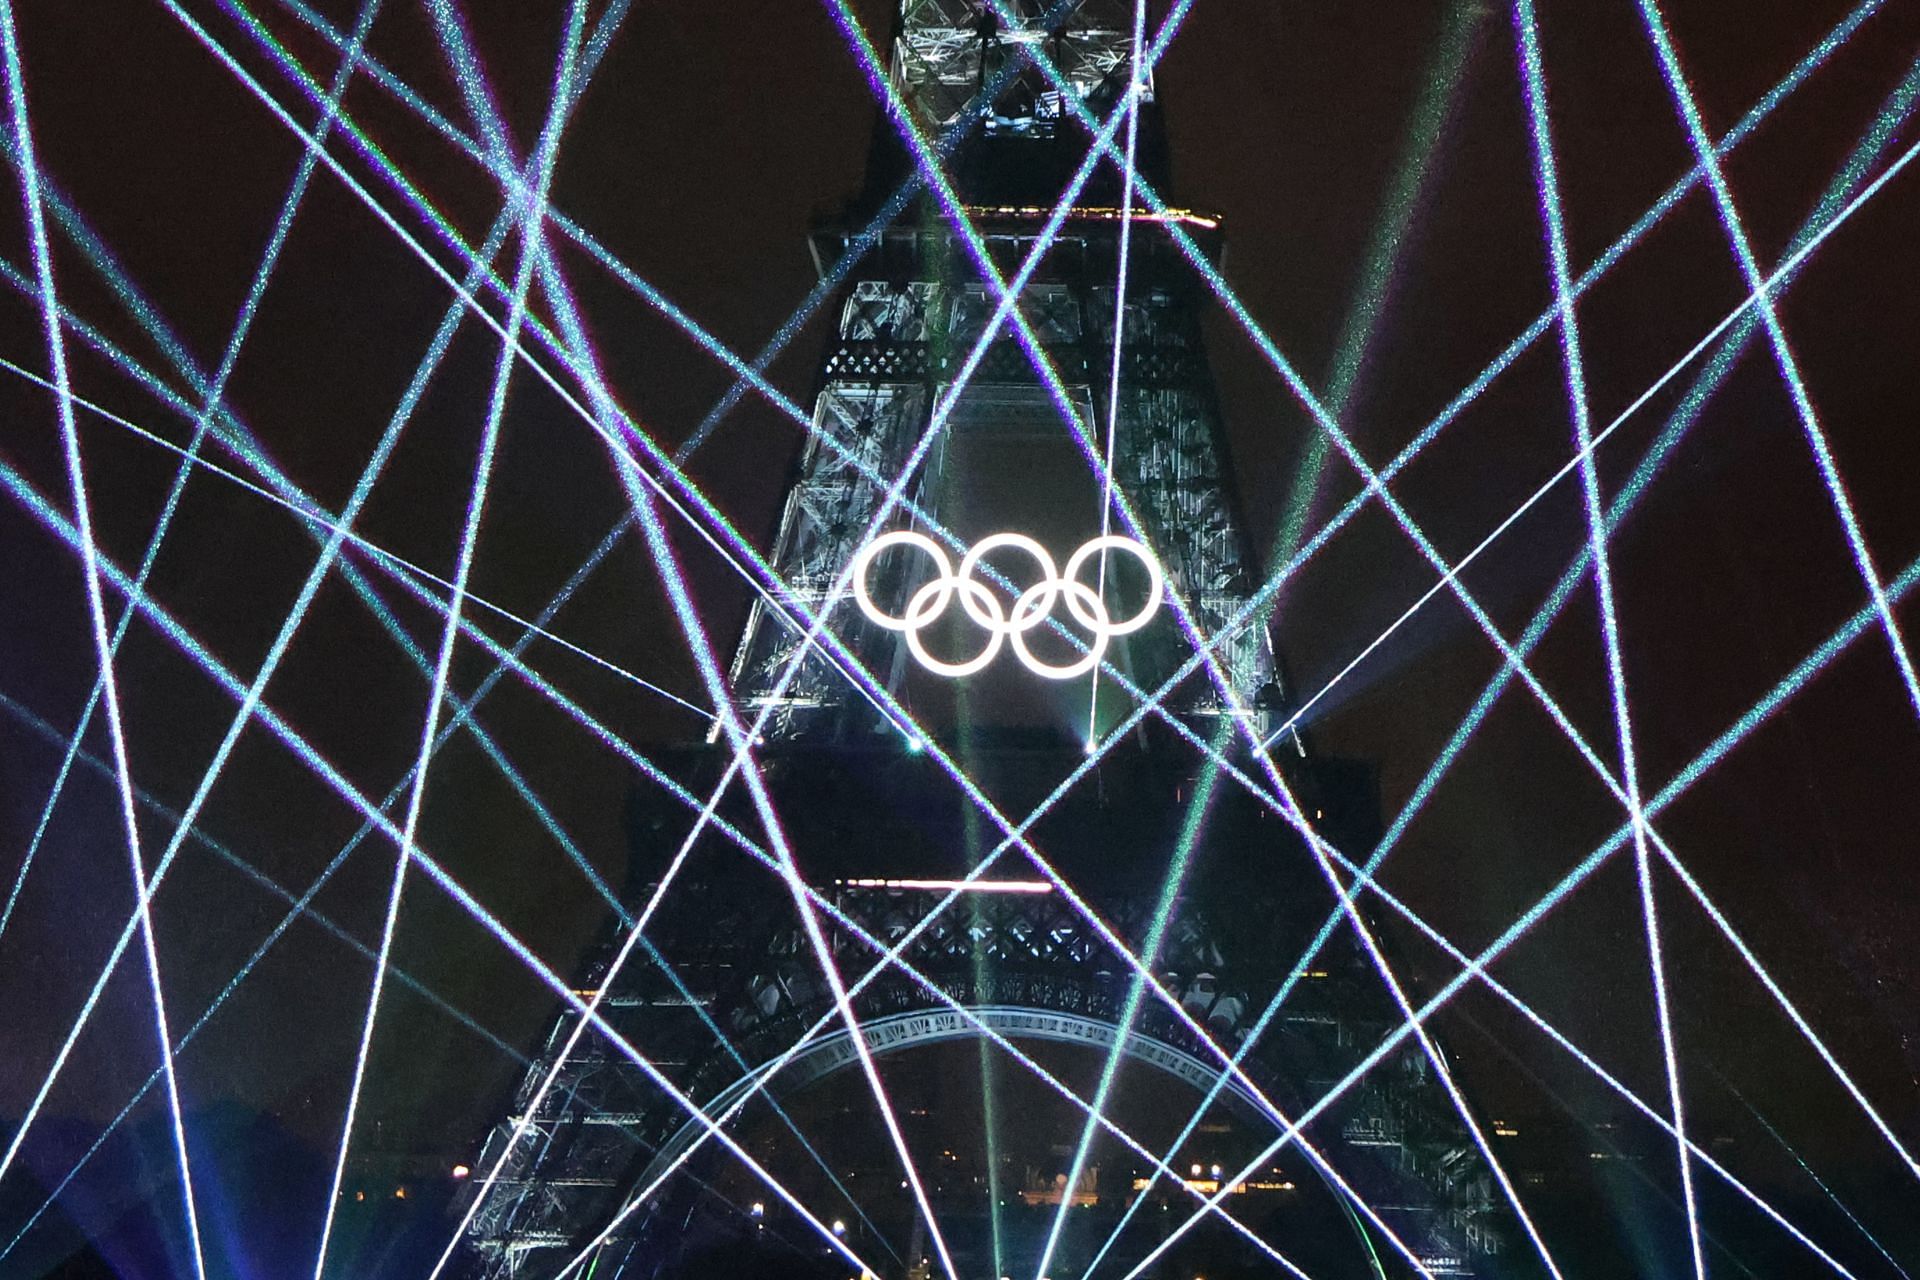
709,139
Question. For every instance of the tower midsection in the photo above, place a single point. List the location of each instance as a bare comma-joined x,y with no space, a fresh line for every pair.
941,412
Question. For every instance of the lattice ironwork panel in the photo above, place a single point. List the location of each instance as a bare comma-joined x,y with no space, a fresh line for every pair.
948,48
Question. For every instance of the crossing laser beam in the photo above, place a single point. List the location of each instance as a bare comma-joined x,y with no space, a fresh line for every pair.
53,521
1879,136
1534,87
243,324
97,616
1735,229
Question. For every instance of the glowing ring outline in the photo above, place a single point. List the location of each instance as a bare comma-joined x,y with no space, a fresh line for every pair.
1031,606
1049,580
1095,650
996,635
864,561
1156,580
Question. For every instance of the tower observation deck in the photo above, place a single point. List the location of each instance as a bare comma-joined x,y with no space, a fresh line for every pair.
1082,410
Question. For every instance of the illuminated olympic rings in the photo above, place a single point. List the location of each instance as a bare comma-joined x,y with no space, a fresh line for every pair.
1030,608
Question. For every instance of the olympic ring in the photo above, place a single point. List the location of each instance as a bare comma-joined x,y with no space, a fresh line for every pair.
1030,608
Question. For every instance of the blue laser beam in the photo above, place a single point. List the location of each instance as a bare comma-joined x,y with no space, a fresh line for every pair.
436,351
302,908
1730,221
55,522
1852,174
1817,1180
243,324
1162,917
1441,84
1134,89
478,102
531,215
97,616
1534,86
1690,774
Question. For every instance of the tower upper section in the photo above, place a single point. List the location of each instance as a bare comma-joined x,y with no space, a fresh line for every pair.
992,84
948,52
1082,409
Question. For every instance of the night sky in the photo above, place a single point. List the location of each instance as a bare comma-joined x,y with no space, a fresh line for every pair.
708,141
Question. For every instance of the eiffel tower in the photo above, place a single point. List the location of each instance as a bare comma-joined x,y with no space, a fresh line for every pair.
725,984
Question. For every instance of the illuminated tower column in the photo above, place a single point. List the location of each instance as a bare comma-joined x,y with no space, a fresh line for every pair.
906,325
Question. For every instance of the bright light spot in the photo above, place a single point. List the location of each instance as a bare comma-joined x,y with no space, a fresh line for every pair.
946,886
1215,1171
759,1210
839,1227
461,1171
1196,1171
916,745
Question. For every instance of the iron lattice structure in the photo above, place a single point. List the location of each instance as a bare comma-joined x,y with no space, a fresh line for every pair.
730,958
898,345
1028,966
947,49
